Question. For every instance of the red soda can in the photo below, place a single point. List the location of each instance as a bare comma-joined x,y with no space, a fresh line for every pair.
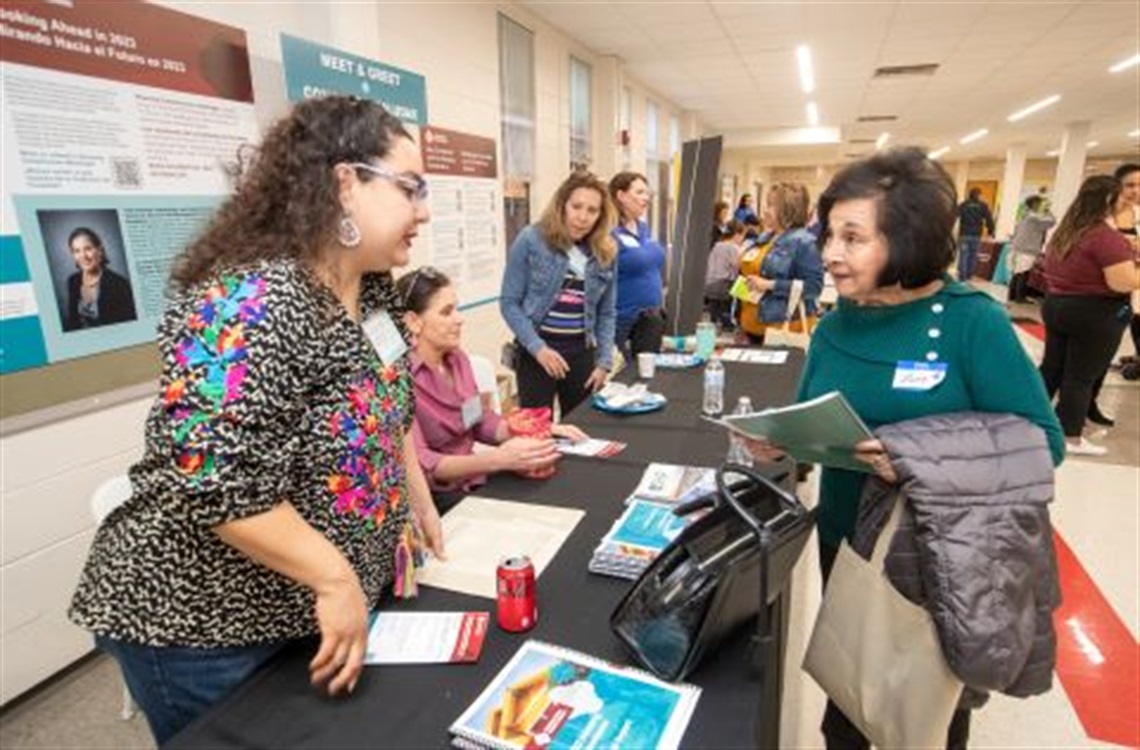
517,609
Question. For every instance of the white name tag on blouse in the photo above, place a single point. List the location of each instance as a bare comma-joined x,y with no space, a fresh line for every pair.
472,411
628,240
578,262
918,376
385,337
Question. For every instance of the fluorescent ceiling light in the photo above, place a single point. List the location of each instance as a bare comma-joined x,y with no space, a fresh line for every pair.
807,77
1125,64
812,114
974,136
940,152
1134,134
1054,152
1035,107
1092,144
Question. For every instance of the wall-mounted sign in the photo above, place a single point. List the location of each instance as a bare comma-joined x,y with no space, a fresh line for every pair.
460,154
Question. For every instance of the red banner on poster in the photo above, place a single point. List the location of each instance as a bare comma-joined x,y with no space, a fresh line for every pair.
449,152
130,42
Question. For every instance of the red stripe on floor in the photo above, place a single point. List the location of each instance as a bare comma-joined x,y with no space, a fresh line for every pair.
1033,329
1098,660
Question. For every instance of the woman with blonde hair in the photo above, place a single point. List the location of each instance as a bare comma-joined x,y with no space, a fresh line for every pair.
558,296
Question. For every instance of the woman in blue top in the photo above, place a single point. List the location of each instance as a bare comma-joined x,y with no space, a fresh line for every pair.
558,296
744,208
793,256
640,260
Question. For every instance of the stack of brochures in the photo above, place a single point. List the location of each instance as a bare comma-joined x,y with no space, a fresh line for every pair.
674,484
637,538
552,697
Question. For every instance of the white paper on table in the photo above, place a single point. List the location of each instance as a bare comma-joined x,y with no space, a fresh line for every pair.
426,637
479,532
591,447
755,356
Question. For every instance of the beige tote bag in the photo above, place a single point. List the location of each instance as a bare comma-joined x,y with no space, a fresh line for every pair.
784,335
877,655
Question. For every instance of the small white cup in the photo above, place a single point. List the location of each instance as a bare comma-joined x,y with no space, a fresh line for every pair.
646,365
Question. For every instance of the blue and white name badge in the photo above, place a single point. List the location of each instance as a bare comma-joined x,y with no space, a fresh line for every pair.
918,376
472,411
385,337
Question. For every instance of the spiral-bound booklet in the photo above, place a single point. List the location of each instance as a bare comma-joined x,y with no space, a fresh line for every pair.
553,697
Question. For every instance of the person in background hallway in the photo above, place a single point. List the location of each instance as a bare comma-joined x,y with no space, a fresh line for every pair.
279,492
887,231
451,415
723,268
96,295
720,221
792,255
744,208
752,231
640,260
1090,269
1125,217
974,217
1025,247
558,296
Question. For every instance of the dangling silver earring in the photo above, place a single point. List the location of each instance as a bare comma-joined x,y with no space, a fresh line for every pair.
348,233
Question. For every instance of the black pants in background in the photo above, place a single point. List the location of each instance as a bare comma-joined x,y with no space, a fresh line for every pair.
839,733
537,389
1082,333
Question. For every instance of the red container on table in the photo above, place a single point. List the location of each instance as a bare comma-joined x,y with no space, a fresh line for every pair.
517,608
533,423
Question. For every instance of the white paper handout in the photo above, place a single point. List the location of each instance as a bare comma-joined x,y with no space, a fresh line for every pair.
426,637
479,532
755,356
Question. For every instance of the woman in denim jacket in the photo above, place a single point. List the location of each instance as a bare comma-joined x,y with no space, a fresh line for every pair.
558,296
793,256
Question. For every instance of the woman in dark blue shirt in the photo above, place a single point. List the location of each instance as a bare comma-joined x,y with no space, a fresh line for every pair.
640,317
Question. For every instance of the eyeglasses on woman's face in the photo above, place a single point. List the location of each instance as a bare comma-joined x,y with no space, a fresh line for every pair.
413,185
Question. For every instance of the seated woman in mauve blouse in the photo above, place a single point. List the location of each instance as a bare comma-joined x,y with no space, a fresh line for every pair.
451,416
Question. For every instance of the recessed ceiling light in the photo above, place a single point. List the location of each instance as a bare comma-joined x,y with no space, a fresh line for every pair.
982,133
1134,134
1092,144
1035,107
807,76
939,152
1125,64
812,114
1054,152
882,140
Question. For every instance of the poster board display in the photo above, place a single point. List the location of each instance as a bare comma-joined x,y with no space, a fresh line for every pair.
121,122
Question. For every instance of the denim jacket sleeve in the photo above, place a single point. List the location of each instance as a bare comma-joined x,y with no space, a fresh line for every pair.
607,321
807,266
513,292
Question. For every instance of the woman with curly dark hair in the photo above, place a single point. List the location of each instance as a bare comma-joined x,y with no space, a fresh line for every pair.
279,494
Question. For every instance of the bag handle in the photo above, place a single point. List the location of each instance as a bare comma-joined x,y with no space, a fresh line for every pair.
883,543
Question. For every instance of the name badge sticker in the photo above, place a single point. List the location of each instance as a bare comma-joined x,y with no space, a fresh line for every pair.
918,376
385,337
628,241
472,411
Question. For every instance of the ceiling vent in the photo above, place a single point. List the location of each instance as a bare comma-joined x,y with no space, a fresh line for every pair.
878,118
900,71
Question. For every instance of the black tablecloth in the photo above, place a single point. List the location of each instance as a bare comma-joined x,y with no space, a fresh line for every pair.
412,706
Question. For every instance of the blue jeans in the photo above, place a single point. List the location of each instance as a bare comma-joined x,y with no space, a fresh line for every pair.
967,255
173,685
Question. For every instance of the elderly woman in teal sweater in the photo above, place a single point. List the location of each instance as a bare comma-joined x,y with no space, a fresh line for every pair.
905,341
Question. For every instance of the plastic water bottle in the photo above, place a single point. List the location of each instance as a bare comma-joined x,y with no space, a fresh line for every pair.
737,451
713,403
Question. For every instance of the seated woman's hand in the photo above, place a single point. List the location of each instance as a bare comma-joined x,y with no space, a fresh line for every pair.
342,617
762,450
526,454
570,432
872,453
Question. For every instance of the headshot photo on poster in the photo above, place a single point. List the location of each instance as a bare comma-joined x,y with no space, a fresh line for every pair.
88,265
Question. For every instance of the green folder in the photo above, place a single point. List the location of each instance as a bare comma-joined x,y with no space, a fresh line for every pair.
741,291
821,431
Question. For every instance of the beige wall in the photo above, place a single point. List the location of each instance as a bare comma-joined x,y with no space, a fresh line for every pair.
50,472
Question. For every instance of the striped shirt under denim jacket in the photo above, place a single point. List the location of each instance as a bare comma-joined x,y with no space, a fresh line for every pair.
794,255
531,285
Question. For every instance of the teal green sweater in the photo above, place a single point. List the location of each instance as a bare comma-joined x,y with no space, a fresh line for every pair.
856,349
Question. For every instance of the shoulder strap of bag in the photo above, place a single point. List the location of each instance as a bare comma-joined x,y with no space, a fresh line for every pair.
883,543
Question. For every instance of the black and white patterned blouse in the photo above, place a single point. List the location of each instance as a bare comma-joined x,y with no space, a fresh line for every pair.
269,392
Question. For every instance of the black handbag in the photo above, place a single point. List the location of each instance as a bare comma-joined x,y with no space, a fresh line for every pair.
712,578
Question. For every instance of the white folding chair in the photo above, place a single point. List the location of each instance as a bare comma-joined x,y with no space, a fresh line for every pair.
485,380
107,496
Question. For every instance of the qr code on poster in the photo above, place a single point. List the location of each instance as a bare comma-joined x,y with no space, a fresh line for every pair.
125,173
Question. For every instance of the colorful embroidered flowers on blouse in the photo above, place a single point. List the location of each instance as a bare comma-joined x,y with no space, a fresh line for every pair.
369,477
212,357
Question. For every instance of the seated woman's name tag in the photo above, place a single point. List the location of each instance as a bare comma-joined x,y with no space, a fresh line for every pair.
472,411
918,376
385,337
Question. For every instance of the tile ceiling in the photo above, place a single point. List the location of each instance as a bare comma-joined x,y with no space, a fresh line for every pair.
734,64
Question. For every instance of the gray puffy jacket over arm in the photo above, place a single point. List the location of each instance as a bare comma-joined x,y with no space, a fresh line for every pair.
976,547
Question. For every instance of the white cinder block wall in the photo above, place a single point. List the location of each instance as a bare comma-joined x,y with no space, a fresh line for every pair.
48,473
